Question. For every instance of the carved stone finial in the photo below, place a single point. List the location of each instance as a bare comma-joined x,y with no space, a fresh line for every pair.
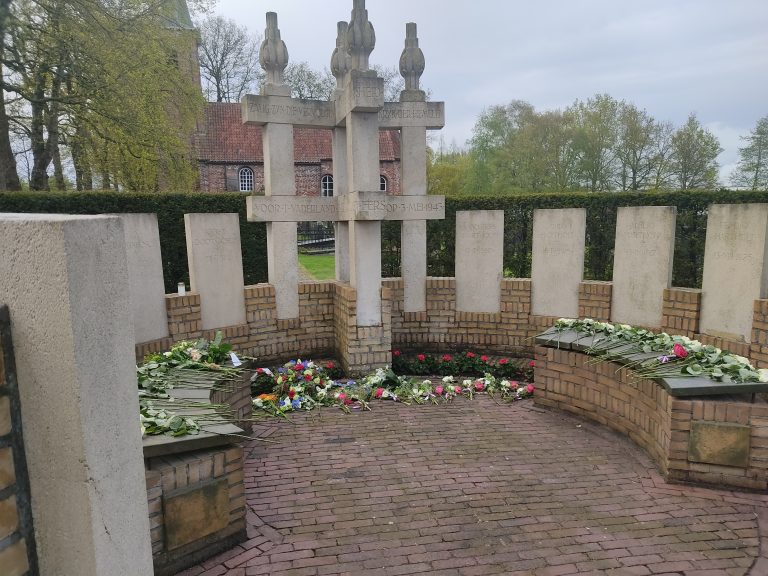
360,36
341,61
273,54
411,60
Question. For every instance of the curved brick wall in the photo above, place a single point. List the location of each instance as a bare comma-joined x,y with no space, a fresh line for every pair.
688,438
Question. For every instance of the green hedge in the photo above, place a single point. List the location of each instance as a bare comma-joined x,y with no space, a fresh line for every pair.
170,210
601,228
518,218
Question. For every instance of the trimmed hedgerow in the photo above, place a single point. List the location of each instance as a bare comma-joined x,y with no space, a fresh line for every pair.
518,218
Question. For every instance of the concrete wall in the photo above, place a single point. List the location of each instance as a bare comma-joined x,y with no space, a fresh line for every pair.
65,281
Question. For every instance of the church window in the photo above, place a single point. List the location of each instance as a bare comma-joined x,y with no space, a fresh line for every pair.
245,175
382,184
326,186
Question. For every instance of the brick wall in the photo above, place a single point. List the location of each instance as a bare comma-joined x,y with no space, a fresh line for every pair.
325,307
194,473
361,349
606,393
595,300
17,541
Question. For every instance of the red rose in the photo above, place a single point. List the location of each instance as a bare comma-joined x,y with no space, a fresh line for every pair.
529,388
259,370
458,389
484,358
421,357
395,352
479,386
299,367
532,364
470,355
503,361
329,366
379,392
514,384
348,401
447,358
342,396
680,351
307,377
439,390
291,393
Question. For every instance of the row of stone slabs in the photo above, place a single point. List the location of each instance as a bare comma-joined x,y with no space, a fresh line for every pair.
682,387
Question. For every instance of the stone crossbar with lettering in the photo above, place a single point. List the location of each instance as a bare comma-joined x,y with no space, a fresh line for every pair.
361,206
318,114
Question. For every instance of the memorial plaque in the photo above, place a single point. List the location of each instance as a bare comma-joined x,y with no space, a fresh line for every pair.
216,267
430,115
734,269
479,260
721,443
260,110
558,261
145,276
642,263
195,512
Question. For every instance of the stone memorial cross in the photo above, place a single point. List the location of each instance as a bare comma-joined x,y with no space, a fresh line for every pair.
356,114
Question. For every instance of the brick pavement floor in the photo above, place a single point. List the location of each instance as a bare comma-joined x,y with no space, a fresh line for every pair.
477,487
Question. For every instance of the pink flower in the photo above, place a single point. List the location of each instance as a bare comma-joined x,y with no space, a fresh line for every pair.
458,389
503,361
342,396
379,392
329,366
532,364
291,393
347,401
529,388
479,386
395,352
680,351
484,358
514,384
470,355
439,390
447,358
421,357
259,370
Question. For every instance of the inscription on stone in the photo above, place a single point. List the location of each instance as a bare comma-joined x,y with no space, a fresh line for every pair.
558,261
479,260
642,263
216,267
403,114
734,269
283,110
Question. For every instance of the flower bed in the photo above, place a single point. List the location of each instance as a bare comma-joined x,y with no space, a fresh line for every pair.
304,385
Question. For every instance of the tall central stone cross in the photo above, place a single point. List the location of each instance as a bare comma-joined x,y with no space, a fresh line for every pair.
356,114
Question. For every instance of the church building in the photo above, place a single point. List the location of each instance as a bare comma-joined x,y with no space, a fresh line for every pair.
229,153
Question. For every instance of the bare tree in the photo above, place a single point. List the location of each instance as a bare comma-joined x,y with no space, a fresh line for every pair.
229,59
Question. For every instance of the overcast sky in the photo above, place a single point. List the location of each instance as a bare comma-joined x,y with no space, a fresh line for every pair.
670,57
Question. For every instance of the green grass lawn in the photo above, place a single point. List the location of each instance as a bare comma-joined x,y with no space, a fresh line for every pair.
319,266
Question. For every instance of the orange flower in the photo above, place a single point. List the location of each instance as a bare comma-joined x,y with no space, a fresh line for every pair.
268,397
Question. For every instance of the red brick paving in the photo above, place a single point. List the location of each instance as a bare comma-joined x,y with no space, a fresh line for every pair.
477,487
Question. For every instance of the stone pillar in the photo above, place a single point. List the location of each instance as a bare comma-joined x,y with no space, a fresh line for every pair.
72,328
479,260
365,95
279,179
145,276
341,62
413,166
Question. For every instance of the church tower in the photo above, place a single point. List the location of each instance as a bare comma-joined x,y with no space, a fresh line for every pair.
175,16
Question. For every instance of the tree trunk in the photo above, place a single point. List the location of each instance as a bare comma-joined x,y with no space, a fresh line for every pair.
9,177
58,171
